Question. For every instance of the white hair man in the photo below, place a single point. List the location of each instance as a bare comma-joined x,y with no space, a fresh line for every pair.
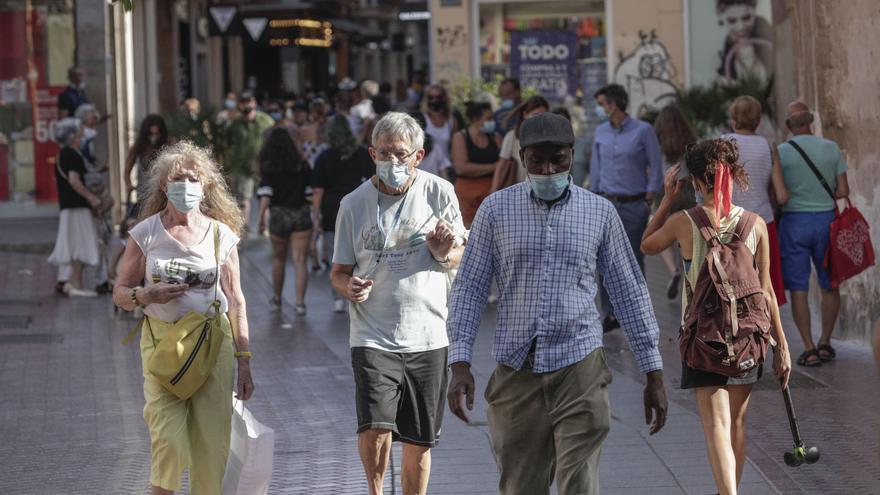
397,238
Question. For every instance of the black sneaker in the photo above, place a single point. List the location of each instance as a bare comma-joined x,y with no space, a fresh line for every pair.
610,324
59,287
104,288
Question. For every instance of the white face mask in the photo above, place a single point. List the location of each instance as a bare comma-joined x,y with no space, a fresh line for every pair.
185,195
90,133
394,175
549,187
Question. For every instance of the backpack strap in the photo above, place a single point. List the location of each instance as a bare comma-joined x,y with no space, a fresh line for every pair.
745,224
702,221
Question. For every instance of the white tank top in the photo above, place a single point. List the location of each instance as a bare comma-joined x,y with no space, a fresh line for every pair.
441,135
167,260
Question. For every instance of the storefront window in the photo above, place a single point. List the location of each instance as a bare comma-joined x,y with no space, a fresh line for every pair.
539,28
39,42
555,48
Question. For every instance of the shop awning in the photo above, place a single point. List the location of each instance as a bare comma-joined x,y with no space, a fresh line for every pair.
355,28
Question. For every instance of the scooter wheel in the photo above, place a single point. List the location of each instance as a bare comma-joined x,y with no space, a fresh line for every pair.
792,459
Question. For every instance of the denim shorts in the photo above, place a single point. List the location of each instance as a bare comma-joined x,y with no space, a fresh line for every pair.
804,237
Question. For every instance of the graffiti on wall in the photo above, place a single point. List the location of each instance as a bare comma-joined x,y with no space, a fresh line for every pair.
451,52
647,74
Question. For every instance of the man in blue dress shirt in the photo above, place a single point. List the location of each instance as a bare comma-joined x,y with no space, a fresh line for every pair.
545,241
625,167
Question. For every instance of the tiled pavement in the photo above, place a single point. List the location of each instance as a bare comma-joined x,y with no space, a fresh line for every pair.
71,421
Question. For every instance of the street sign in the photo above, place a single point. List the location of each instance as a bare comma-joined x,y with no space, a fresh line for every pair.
255,26
223,17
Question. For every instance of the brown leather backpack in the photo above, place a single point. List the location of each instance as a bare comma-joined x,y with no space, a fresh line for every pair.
726,322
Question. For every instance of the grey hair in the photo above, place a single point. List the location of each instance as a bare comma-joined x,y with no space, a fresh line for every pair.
369,88
66,129
84,111
396,124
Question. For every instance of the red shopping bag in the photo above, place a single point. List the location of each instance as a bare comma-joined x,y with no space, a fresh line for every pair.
850,251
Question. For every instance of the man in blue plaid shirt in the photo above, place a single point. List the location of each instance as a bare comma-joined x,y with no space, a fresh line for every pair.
545,241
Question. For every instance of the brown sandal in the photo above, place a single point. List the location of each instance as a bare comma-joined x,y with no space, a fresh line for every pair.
804,358
826,353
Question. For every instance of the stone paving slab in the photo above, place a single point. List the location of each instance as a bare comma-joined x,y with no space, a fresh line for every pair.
467,446
72,419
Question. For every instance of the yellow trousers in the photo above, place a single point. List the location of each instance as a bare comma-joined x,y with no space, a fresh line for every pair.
191,433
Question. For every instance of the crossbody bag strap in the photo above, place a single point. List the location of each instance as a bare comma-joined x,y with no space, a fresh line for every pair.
58,167
216,302
813,168
216,263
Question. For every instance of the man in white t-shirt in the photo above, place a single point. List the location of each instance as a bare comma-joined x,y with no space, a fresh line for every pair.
398,236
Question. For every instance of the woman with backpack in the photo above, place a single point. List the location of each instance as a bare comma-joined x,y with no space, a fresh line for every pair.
728,299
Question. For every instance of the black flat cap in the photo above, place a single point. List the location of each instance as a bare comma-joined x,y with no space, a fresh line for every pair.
546,128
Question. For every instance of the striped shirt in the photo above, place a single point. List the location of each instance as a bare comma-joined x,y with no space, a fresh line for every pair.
546,260
754,154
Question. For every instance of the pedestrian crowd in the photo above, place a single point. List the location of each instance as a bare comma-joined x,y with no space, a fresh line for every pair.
424,213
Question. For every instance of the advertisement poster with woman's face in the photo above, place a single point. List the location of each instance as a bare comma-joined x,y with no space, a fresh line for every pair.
730,40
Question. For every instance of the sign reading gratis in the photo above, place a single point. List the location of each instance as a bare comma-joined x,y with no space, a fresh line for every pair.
545,60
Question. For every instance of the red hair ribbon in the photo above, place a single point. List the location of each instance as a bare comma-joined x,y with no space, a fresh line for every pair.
723,190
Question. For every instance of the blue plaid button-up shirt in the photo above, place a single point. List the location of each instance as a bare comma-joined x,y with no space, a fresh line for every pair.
546,260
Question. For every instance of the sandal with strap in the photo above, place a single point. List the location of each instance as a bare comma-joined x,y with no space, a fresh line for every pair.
826,353
804,358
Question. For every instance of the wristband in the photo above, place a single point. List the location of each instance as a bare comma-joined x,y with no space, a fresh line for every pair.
133,295
243,354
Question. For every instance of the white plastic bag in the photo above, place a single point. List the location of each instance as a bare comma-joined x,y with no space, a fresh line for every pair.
251,454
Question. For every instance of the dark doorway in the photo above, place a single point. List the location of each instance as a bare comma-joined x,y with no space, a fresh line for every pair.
264,63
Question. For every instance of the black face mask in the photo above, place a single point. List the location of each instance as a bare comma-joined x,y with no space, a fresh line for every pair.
436,105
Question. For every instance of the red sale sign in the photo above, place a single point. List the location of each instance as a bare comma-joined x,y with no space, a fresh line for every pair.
45,107
44,100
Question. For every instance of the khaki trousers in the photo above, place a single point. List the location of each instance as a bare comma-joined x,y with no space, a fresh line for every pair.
192,433
550,425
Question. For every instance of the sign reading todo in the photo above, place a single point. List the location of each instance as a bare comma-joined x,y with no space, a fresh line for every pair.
545,60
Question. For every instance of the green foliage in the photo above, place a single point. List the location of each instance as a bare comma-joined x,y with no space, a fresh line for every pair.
467,89
126,4
202,131
706,107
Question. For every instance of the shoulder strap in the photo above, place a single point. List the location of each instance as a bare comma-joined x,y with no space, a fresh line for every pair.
745,225
813,168
216,303
58,167
698,215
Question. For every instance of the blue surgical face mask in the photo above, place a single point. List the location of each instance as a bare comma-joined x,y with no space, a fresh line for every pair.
600,112
506,104
549,187
276,116
185,195
698,196
394,175
230,104
488,127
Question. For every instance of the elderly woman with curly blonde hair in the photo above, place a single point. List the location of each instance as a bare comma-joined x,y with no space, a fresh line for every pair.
168,270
